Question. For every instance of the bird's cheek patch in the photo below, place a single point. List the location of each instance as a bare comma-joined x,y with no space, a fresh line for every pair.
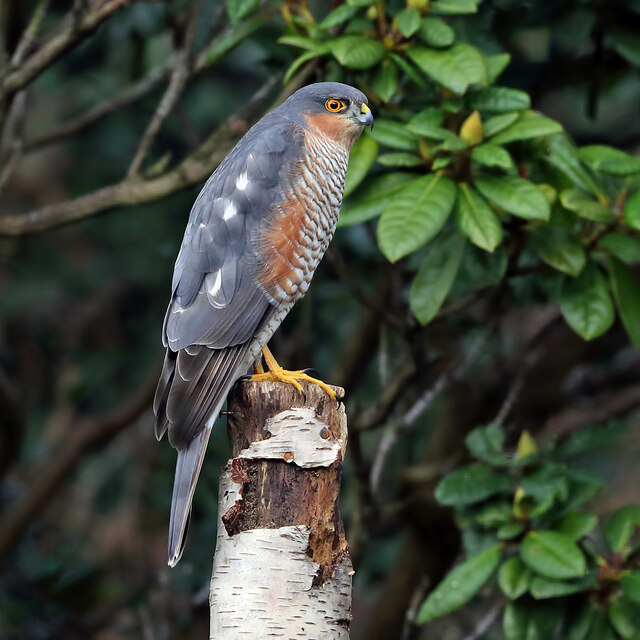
336,126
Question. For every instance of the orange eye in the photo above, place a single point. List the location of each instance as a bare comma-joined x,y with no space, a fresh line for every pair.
333,105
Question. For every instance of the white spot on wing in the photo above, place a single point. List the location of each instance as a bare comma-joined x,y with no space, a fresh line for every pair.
215,288
229,211
242,181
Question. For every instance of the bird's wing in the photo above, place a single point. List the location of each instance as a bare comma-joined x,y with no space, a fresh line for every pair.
218,305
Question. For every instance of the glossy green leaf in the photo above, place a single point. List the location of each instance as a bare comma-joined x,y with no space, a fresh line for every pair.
591,438
600,628
491,155
625,618
526,129
585,206
498,123
436,32
515,195
632,211
395,135
577,525
460,585
476,219
339,16
580,624
631,586
485,444
498,99
386,82
409,70
559,249
454,7
305,57
543,588
371,198
455,68
514,578
553,555
586,304
357,52
495,65
623,525
626,292
408,21
524,621
238,9
510,530
435,277
624,247
469,485
415,215
363,155
399,159
564,156
609,160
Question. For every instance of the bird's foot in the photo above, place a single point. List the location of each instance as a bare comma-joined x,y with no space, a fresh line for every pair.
278,374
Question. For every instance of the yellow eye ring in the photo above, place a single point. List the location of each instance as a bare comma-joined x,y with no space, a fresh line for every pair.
334,105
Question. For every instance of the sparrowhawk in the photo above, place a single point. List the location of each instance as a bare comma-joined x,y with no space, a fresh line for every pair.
255,236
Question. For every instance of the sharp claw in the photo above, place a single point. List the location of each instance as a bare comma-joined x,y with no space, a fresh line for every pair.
310,371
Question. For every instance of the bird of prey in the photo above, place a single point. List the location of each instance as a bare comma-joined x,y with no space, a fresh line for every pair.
255,236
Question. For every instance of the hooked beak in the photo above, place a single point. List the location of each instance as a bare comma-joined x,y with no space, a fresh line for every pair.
365,117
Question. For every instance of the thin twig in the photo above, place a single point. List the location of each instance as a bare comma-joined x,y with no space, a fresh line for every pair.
485,623
30,33
179,77
410,627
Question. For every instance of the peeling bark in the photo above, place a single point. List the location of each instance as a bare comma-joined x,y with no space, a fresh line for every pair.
281,567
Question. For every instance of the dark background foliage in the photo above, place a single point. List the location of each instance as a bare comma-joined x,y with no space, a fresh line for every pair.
86,489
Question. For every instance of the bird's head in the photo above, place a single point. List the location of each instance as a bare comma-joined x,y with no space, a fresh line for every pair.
334,109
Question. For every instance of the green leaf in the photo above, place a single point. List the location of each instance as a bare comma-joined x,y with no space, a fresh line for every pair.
527,128
609,160
543,588
490,155
485,443
408,22
469,485
415,215
625,618
625,42
371,198
338,16
591,438
360,3
386,82
454,7
632,211
435,277
514,578
515,195
460,585
621,246
563,156
495,65
553,555
430,117
577,525
586,304
510,530
585,206
456,68
395,135
357,52
301,42
600,628
626,292
476,219
523,621
631,586
300,60
399,159
408,70
498,123
498,99
436,33
581,624
238,9
363,155
624,524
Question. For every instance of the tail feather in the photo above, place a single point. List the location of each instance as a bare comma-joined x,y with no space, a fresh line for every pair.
187,471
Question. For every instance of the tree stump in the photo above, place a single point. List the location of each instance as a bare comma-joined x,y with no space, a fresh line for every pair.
281,567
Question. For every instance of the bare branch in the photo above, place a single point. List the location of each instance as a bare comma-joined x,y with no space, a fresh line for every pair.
179,77
30,33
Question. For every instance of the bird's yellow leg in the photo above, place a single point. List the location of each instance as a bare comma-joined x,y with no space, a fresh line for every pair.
277,374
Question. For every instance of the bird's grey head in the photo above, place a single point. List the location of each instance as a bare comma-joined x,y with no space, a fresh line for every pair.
336,109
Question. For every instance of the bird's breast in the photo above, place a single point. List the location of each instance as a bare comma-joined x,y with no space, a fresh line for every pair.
301,226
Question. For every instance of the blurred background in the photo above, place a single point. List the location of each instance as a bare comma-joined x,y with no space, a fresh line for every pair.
85,488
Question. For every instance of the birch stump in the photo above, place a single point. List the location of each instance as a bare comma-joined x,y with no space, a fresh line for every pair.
281,567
